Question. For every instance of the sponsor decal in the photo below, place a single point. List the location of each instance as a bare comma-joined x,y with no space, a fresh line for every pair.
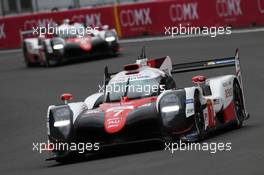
113,122
228,92
136,17
92,112
216,101
188,101
226,8
227,83
30,24
224,61
210,111
2,31
184,12
118,108
261,6
93,19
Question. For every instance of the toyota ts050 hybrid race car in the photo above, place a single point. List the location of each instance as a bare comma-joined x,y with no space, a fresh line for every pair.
69,42
164,112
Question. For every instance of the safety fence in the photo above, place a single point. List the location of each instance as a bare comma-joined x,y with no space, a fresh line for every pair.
147,18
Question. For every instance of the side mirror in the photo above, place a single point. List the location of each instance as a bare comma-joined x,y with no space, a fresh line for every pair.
105,27
66,97
199,79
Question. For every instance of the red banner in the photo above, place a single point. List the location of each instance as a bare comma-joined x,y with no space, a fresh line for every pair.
148,18
10,27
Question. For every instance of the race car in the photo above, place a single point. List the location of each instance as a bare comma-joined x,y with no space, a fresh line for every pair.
68,42
147,105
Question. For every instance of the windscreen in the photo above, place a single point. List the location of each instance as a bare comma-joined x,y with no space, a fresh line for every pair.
134,89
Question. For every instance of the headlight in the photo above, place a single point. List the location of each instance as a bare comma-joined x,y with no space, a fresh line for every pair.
61,117
173,108
60,122
170,104
58,46
110,38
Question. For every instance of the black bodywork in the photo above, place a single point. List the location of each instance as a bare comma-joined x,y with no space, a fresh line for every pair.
74,51
143,123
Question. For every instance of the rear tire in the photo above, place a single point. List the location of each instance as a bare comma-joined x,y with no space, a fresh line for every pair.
199,123
239,105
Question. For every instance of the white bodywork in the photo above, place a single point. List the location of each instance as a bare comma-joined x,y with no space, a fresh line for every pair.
91,100
32,43
221,88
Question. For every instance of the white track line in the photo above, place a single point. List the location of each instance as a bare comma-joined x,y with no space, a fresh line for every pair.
159,38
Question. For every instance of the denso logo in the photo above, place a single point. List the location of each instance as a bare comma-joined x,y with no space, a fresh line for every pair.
92,20
2,31
183,12
136,17
261,6
29,24
225,8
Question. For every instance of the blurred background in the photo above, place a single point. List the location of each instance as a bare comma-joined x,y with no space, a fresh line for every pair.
14,7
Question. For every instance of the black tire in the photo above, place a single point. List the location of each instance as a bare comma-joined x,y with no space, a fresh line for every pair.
114,50
199,123
239,105
25,54
48,62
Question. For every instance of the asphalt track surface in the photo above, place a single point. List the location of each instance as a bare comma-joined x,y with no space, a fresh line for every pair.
26,93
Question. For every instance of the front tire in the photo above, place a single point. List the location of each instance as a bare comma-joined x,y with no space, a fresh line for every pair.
48,62
25,54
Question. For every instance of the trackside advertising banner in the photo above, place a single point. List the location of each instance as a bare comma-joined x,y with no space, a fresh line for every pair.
148,18
10,27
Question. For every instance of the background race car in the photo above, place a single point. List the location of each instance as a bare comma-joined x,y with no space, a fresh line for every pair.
68,41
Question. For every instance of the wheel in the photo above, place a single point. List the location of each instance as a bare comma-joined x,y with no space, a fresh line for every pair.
239,105
47,58
114,50
26,59
199,123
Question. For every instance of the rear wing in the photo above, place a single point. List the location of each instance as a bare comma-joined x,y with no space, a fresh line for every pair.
207,64
212,64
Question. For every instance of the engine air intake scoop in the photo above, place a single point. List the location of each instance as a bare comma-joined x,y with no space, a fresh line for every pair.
131,67
199,79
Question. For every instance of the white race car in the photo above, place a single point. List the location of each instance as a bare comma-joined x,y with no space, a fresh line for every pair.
70,42
162,112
